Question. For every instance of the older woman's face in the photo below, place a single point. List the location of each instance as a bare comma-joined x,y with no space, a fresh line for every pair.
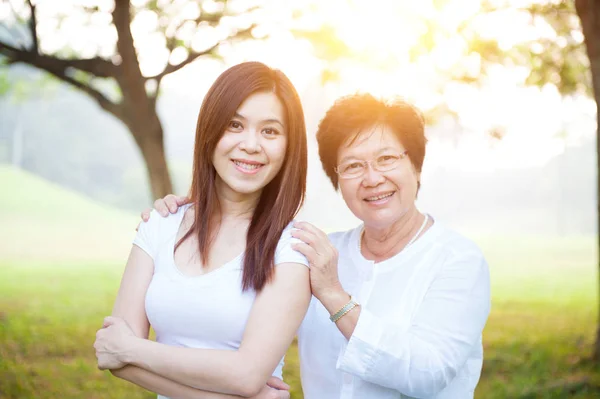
378,198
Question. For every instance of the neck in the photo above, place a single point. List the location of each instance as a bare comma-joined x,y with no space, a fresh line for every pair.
379,244
234,205
237,208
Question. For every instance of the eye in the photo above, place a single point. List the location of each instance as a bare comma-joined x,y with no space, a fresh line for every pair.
387,159
269,131
235,125
353,167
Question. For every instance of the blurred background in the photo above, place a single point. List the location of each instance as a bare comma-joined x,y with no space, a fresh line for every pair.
98,106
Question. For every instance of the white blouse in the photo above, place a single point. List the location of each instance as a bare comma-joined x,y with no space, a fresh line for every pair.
207,311
419,330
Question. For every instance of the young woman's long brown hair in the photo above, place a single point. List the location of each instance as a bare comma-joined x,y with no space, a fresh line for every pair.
280,200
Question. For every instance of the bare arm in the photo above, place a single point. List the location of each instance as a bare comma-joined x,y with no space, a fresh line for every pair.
129,306
274,319
174,390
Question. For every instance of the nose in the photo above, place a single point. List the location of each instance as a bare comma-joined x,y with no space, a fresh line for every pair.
250,141
372,177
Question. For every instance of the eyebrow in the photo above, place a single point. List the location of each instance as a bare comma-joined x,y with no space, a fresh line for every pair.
384,149
270,120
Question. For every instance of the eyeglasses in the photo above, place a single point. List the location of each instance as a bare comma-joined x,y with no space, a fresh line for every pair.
383,163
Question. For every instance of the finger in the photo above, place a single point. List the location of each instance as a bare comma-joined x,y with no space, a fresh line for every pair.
306,250
284,394
171,201
310,227
109,321
277,383
146,214
161,207
306,236
182,200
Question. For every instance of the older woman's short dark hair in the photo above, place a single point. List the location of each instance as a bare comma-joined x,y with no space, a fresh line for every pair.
351,115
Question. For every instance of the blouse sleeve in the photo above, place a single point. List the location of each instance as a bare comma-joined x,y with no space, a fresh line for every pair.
423,359
284,252
147,235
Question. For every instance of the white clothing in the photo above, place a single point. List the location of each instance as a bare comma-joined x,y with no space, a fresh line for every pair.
207,311
419,330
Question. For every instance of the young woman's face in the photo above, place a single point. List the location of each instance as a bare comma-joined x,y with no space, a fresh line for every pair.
252,149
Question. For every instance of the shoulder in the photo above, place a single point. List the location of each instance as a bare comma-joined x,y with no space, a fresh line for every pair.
460,254
284,252
158,224
455,242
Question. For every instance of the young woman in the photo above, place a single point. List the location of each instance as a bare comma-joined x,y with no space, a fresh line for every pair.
218,281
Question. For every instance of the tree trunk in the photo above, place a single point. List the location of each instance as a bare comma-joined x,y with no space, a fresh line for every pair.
148,135
139,109
589,14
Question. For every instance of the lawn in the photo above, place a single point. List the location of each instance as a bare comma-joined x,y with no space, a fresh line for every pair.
62,256
538,336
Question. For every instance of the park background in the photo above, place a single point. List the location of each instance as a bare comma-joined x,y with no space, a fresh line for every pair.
511,161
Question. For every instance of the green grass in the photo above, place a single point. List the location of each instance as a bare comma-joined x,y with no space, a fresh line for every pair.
536,341
61,260
40,220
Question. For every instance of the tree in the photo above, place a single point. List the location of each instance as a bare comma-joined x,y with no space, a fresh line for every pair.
589,14
188,30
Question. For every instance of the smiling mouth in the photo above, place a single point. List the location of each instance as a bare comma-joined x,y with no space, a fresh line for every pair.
247,165
379,197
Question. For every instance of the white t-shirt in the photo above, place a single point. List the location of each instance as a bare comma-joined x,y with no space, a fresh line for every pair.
207,311
419,330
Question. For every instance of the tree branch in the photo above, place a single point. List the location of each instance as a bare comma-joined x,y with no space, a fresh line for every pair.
58,68
96,66
33,27
195,54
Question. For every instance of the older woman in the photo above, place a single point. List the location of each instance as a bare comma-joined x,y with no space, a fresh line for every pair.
400,312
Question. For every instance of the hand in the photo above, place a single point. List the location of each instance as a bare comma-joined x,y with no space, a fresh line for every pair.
169,204
278,383
322,257
275,389
112,342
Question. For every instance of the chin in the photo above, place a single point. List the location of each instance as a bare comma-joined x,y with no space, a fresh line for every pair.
243,189
382,219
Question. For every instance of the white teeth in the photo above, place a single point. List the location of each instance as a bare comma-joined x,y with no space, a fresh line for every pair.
379,197
247,165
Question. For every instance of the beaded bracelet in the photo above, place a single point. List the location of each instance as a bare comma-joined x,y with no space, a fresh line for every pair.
344,310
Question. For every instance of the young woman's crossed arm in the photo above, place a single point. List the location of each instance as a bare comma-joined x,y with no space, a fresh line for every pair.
123,347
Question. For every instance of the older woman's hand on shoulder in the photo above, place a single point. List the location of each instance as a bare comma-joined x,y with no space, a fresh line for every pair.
322,257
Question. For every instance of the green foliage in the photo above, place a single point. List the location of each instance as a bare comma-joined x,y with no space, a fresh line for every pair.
559,59
4,83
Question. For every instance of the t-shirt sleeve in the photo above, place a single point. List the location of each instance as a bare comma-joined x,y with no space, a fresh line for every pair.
147,235
284,252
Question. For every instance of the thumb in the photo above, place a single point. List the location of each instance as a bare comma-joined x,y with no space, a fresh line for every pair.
277,383
108,321
182,200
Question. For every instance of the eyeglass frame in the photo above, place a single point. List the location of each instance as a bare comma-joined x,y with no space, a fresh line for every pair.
373,166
